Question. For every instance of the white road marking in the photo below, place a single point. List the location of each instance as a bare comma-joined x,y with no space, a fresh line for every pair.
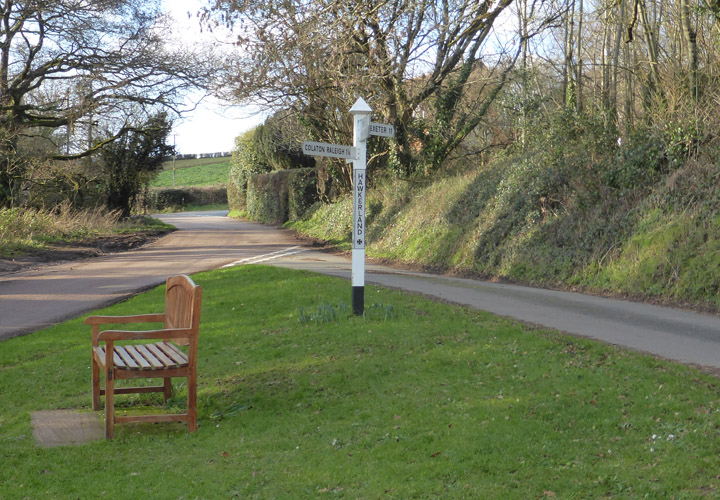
265,257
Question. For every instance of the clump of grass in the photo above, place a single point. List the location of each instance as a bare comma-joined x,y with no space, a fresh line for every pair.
379,311
69,221
17,225
24,229
324,313
329,313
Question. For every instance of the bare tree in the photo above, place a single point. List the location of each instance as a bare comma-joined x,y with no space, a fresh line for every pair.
70,66
410,58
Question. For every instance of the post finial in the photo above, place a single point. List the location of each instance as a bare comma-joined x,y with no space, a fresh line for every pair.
360,107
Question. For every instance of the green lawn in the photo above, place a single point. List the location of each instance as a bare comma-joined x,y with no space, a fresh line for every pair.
300,399
199,173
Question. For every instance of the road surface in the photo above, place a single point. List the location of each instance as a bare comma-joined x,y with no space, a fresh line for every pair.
35,299
38,298
675,334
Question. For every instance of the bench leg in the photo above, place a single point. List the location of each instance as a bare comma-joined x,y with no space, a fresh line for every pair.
167,388
109,408
192,401
95,385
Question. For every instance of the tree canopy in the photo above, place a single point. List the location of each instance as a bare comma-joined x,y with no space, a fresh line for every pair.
404,56
71,67
130,162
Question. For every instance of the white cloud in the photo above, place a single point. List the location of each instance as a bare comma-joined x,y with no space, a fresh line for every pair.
213,125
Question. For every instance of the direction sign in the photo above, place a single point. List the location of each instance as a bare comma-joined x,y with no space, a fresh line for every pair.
382,130
357,155
332,150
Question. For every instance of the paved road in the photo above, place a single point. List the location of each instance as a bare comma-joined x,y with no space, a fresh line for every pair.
38,298
207,241
671,333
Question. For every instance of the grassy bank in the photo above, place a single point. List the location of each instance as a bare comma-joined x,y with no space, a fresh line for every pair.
549,224
299,399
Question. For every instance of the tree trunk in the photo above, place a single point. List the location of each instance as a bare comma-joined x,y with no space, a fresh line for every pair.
523,21
616,59
605,63
691,40
652,51
568,87
579,65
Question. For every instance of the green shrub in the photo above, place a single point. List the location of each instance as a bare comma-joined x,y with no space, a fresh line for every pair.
246,162
267,197
302,192
19,225
236,197
276,142
276,197
637,163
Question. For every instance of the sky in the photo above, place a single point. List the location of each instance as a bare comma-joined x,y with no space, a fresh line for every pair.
213,125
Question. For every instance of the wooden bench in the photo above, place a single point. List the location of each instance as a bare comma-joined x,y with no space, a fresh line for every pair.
163,359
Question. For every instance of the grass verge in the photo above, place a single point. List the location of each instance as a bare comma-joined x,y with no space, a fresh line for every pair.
300,399
29,230
498,221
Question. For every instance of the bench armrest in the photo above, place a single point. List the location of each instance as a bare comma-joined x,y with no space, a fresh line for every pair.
164,334
135,318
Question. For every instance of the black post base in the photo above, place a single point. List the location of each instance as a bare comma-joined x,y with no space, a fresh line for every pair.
358,300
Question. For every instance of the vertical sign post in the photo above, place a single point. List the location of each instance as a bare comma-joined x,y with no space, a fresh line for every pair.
357,154
361,130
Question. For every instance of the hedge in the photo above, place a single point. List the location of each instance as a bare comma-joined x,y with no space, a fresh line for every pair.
276,197
177,198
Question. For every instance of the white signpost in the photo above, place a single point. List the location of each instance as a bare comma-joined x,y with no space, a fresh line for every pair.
357,153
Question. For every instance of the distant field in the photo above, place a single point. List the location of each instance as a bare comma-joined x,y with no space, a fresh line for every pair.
195,162
196,172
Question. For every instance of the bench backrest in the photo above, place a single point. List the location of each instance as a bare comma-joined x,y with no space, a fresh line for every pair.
182,304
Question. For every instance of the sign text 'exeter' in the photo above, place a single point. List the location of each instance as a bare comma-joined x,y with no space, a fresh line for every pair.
382,129
332,150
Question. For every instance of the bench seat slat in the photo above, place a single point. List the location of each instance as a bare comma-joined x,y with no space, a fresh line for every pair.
146,356
155,363
130,363
117,360
137,355
100,353
179,358
159,355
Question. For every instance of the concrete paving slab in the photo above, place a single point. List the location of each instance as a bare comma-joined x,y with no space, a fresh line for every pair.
67,427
